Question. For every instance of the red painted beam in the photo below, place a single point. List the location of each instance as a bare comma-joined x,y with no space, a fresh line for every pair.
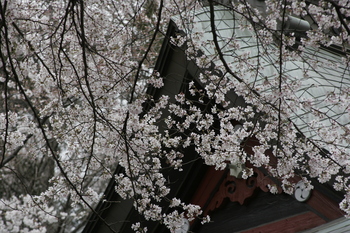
208,184
296,223
323,205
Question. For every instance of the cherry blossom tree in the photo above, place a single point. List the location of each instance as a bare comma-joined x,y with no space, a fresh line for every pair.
73,78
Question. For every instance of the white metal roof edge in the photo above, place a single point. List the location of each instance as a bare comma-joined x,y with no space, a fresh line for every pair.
336,226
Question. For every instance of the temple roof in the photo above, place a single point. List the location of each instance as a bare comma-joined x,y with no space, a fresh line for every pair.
311,78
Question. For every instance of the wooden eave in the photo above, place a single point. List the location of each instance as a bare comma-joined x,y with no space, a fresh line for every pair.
183,188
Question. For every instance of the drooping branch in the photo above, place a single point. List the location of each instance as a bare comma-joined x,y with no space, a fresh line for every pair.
40,124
